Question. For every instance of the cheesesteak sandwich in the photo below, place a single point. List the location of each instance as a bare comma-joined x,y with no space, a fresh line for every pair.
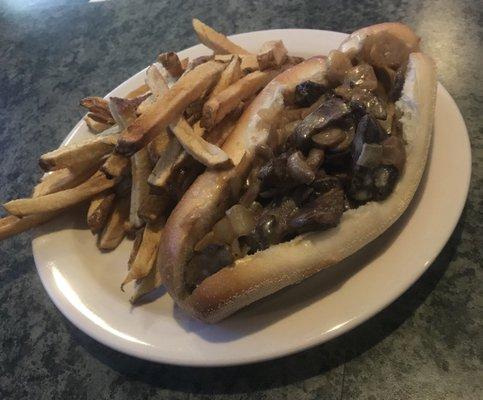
326,158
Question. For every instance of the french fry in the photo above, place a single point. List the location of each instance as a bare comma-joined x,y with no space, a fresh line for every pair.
62,179
226,58
192,64
79,155
112,130
157,146
12,225
95,126
141,90
123,188
153,79
249,63
171,62
99,211
101,118
184,156
184,63
140,170
169,107
146,254
98,108
116,165
185,169
115,229
294,60
124,110
272,54
226,101
194,110
206,153
156,82
153,207
164,166
60,200
159,80
96,103
230,75
138,238
221,131
159,87
214,40
146,285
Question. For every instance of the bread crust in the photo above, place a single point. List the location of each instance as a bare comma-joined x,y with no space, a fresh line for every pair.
261,274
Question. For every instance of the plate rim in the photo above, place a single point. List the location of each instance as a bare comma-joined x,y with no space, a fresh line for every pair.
307,344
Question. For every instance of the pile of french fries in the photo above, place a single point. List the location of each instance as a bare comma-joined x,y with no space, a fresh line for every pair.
148,148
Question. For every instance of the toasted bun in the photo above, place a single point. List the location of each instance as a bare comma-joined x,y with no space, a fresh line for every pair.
355,40
256,276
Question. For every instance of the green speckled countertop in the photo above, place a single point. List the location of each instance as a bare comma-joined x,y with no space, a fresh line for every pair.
426,345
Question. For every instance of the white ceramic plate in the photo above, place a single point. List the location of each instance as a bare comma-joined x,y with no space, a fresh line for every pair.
84,284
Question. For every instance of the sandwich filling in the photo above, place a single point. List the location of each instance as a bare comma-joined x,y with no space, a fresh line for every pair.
335,146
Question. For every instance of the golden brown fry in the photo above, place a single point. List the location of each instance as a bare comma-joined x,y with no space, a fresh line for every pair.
194,110
95,126
11,225
99,211
184,63
164,166
185,169
141,90
153,207
156,82
230,75
169,107
63,179
214,40
206,153
272,54
220,105
98,108
63,199
221,131
249,63
225,57
146,285
146,254
112,130
157,146
124,110
101,116
197,61
183,157
79,155
171,62
294,60
123,188
115,228
140,170
95,102
138,238
116,165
